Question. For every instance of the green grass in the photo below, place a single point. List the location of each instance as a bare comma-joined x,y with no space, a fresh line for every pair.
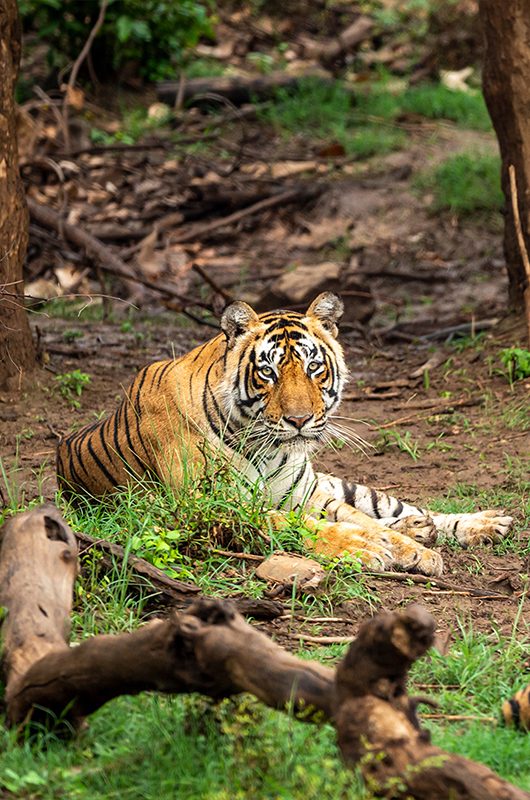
364,121
465,184
436,101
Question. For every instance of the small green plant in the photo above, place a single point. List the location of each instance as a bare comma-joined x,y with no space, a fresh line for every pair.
517,363
464,184
436,101
72,334
403,441
71,385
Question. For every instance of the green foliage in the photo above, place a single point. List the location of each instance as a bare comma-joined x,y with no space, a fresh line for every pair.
517,362
153,34
436,101
391,437
465,184
71,385
328,111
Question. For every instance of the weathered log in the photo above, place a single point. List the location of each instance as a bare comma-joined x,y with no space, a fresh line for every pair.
38,567
327,52
238,89
377,724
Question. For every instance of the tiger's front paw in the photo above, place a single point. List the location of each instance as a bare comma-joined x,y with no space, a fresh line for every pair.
482,528
420,528
410,556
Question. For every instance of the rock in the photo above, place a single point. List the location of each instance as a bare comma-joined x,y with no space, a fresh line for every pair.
286,568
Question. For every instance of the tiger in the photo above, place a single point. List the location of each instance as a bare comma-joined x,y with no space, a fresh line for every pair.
262,394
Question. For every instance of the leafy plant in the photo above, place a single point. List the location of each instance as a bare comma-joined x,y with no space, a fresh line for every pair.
152,34
403,441
517,362
71,385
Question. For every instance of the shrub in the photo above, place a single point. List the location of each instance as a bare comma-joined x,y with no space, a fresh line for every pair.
465,183
150,33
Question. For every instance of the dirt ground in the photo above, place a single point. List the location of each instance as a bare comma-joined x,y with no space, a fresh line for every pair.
422,275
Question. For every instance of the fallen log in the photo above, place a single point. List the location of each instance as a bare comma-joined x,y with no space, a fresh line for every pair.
238,89
210,649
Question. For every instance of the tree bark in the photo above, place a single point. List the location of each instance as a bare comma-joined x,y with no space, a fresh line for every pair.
506,83
17,353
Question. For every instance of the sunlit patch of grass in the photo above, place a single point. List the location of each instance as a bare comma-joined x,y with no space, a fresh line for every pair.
465,184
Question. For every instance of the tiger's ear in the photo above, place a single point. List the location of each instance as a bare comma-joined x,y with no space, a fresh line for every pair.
328,308
236,320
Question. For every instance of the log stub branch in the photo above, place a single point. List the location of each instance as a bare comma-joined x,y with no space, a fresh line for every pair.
38,567
377,726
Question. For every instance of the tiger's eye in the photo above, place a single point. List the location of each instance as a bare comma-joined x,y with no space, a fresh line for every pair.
313,366
266,372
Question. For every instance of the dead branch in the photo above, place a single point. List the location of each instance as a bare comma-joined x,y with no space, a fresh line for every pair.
108,261
521,244
377,725
346,41
446,408
173,592
210,649
438,583
77,65
301,193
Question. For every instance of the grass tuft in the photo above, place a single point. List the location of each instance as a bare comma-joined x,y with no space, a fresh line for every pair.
465,184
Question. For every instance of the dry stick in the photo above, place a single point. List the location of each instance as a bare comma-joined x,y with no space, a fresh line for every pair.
470,401
77,65
210,281
522,246
212,650
305,193
303,637
108,261
424,580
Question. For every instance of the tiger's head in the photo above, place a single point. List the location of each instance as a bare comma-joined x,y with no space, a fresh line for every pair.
284,371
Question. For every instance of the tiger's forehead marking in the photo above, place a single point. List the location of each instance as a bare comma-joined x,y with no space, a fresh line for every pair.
279,344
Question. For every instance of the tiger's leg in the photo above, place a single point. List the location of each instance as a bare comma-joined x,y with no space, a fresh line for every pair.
482,527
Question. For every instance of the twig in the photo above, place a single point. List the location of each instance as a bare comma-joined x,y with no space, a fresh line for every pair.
447,408
424,580
241,556
459,717
210,281
522,246
77,65
108,261
276,200
303,637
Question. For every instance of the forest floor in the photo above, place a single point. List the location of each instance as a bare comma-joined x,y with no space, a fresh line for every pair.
447,427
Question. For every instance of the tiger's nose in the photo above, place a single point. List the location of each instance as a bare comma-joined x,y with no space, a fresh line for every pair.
298,420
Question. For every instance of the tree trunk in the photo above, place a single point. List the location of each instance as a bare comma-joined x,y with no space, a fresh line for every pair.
506,83
16,345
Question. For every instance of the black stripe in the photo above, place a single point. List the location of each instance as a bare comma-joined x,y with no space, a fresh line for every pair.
103,441
163,372
116,431
129,440
109,476
350,491
399,508
373,497
516,711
